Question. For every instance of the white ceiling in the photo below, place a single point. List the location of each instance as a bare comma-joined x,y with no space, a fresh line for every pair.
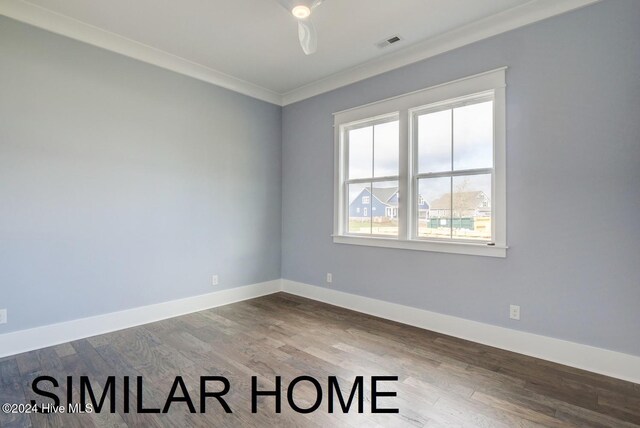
253,43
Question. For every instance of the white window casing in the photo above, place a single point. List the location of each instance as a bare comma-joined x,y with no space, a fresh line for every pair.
488,85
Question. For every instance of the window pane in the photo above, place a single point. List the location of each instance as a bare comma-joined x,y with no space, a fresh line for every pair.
384,208
472,207
386,149
473,136
434,213
359,208
361,152
434,142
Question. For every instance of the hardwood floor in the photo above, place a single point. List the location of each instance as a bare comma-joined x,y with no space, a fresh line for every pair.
442,381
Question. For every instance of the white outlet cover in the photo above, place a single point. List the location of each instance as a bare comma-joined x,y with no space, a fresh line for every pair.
514,312
329,278
3,316
214,280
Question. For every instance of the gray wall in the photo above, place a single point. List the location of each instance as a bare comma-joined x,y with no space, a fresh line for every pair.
122,184
573,129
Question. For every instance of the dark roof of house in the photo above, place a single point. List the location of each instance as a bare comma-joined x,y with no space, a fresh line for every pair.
383,194
468,200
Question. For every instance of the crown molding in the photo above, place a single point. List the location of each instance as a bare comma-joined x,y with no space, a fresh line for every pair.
61,24
528,13
519,16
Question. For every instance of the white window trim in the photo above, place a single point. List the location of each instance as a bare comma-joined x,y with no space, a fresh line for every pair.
494,82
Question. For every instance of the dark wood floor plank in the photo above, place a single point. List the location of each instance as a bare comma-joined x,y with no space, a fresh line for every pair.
580,417
621,405
28,362
87,361
64,349
11,391
442,381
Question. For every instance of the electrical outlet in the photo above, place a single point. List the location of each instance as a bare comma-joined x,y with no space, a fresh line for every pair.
214,280
3,316
329,278
514,312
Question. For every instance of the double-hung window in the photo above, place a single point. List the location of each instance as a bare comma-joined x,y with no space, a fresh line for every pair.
371,177
425,170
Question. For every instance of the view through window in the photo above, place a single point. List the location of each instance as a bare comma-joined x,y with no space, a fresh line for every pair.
373,165
455,164
425,170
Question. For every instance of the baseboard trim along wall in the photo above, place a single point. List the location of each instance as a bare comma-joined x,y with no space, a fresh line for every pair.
597,360
55,334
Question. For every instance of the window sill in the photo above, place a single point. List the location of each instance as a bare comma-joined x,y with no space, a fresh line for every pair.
470,249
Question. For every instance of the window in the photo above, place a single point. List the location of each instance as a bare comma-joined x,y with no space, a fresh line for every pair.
454,155
443,147
371,175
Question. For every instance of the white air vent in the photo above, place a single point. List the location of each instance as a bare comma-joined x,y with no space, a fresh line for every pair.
389,41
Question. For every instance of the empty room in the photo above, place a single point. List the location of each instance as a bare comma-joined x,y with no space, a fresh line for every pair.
320,213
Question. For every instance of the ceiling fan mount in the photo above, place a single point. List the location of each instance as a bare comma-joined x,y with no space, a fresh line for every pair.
302,10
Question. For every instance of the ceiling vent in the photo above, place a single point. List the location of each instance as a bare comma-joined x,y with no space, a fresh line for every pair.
389,41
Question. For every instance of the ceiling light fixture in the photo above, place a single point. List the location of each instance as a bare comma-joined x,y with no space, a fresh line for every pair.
301,11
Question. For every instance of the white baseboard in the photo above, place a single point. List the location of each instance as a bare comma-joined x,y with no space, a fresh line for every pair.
55,334
597,360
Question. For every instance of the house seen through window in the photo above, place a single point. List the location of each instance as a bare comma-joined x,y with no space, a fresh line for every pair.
373,178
